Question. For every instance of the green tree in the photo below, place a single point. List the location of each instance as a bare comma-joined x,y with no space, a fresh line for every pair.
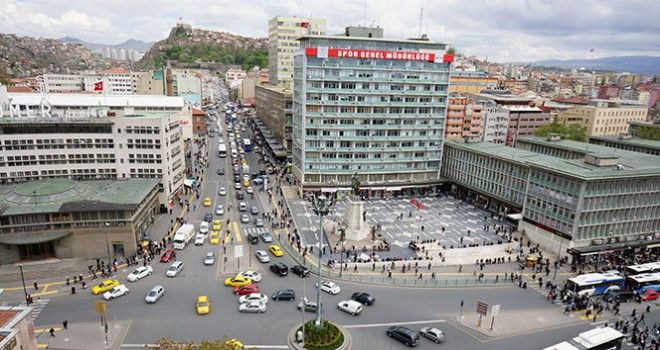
224,344
4,77
575,131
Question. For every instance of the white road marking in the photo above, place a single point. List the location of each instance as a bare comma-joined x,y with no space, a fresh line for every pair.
392,324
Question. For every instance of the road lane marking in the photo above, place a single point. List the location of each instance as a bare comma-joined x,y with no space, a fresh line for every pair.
391,324
237,232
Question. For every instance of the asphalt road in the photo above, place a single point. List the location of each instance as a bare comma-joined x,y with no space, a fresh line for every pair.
174,315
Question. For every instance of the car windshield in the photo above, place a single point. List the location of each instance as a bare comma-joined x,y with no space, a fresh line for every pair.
172,268
152,293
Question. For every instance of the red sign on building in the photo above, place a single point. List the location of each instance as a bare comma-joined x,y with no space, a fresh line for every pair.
323,52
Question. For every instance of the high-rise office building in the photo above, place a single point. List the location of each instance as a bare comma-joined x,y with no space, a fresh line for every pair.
283,33
371,106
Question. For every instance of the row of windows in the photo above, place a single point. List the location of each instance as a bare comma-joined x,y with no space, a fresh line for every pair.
397,88
645,226
380,167
350,96
374,145
142,130
373,133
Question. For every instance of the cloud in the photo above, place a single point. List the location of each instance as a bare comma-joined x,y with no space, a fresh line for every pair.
506,30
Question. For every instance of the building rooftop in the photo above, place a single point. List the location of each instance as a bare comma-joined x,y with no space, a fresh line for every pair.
632,164
357,38
66,195
95,100
652,144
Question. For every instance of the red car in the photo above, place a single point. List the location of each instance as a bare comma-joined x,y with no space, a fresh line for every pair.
648,295
246,289
169,255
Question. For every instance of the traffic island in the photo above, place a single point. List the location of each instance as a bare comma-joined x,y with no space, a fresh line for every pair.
329,337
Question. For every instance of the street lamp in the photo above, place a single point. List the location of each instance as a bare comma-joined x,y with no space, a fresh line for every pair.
20,266
320,208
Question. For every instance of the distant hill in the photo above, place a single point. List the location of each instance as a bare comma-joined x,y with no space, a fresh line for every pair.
130,44
199,48
645,65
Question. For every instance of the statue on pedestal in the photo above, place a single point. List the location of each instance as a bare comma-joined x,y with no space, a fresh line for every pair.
355,184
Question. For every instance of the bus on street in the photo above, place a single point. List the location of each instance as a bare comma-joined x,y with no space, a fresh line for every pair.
605,338
222,150
637,283
592,284
247,144
643,268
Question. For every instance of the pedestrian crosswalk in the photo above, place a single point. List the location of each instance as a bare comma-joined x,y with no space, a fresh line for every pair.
37,307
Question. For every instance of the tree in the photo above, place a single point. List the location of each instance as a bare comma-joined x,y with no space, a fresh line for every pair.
575,131
224,344
4,77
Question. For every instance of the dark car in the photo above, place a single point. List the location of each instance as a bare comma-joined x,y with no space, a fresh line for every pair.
169,255
284,294
255,175
404,335
221,171
300,270
364,298
239,194
208,217
621,295
280,269
237,178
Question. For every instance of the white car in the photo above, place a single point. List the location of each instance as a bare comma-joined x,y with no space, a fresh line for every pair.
266,237
246,177
115,292
237,186
140,273
258,222
433,334
220,210
204,227
245,218
253,275
199,239
262,256
174,269
263,298
350,306
222,191
253,306
155,294
249,190
209,259
330,287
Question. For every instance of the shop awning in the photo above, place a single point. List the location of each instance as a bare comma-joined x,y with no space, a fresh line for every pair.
31,237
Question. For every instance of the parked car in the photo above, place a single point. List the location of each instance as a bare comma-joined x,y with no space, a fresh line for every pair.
203,305
266,237
262,256
284,294
253,275
433,334
404,335
115,292
209,259
280,269
350,306
140,273
253,297
364,298
253,306
300,270
310,306
168,256
246,289
155,294
330,287
175,269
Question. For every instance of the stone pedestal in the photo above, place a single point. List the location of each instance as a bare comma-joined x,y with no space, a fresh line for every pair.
357,228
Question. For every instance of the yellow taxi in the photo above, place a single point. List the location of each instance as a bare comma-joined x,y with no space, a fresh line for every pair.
243,161
207,202
104,286
203,305
217,225
237,281
214,238
234,344
276,250
246,183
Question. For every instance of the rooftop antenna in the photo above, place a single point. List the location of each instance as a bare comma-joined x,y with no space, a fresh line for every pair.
421,18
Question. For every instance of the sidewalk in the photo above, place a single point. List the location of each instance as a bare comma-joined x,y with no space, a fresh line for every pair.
83,335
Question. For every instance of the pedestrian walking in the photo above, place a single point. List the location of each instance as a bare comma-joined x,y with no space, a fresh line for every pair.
65,324
36,285
52,331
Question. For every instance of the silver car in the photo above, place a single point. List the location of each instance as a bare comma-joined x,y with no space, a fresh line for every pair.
434,334
155,294
220,210
262,256
209,259
266,237
253,306
245,218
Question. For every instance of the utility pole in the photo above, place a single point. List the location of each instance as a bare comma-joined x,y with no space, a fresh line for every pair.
321,208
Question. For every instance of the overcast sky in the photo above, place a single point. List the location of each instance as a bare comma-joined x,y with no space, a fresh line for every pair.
503,30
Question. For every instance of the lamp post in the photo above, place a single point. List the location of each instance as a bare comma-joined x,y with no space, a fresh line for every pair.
304,304
20,266
321,208
561,241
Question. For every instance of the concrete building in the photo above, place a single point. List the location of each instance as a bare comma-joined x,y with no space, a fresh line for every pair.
627,142
603,117
187,84
199,122
65,219
495,123
471,82
463,118
148,83
61,83
275,110
283,33
94,137
606,197
17,328
375,107
524,116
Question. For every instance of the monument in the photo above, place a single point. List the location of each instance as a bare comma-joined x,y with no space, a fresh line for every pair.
357,229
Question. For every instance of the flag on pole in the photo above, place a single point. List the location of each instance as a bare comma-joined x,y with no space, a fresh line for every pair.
304,24
98,86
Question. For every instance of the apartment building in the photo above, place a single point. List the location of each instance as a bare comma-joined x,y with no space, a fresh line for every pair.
603,117
463,118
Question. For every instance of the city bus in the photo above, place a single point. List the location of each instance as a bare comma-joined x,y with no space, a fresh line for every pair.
592,284
222,150
643,268
605,338
247,144
637,283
